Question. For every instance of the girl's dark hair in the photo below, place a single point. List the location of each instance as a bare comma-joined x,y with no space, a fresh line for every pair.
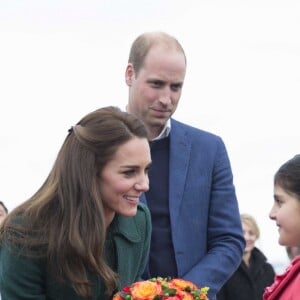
64,220
288,176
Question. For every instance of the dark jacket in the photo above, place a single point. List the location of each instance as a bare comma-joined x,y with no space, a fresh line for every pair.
27,278
248,283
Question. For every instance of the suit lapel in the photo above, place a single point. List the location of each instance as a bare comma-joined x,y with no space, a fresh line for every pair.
180,147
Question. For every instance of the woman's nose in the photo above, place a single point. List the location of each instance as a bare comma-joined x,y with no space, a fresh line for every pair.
143,183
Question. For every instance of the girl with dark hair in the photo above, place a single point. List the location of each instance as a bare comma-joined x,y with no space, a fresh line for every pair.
286,213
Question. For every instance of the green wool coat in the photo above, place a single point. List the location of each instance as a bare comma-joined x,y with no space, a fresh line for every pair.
27,278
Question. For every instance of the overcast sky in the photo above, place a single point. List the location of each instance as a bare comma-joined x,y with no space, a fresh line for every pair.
60,60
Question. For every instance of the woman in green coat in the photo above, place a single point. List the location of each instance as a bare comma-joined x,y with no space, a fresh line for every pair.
83,234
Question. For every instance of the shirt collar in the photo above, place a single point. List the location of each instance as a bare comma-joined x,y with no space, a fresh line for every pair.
165,132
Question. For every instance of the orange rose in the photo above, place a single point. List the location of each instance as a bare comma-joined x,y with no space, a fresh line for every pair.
183,284
145,290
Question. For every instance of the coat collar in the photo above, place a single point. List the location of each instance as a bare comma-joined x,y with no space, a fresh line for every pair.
126,227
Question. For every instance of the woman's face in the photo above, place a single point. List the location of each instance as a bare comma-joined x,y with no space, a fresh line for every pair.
249,236
286,213
125,178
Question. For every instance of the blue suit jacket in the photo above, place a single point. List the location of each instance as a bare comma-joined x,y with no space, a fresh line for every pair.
206,228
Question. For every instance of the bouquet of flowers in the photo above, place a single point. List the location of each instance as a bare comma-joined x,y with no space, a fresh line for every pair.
162,289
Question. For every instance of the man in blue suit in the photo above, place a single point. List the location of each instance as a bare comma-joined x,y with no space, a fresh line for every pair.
197,233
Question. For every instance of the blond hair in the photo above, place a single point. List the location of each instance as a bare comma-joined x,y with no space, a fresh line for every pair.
250,221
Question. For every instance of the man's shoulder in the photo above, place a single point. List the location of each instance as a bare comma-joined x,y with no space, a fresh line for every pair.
184,127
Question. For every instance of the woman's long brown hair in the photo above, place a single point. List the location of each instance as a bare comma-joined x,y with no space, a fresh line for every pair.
64,220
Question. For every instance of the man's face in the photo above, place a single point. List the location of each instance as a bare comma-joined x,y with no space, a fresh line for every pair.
155,91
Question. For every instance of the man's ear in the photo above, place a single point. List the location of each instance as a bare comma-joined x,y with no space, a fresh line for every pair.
129,74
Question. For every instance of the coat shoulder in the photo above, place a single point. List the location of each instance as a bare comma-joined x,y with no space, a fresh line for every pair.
193,131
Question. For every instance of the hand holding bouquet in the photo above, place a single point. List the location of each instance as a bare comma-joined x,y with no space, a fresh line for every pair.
162,289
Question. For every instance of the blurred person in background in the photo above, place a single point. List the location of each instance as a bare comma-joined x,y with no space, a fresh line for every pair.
254,273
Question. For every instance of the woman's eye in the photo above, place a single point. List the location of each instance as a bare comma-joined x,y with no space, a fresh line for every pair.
129,172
